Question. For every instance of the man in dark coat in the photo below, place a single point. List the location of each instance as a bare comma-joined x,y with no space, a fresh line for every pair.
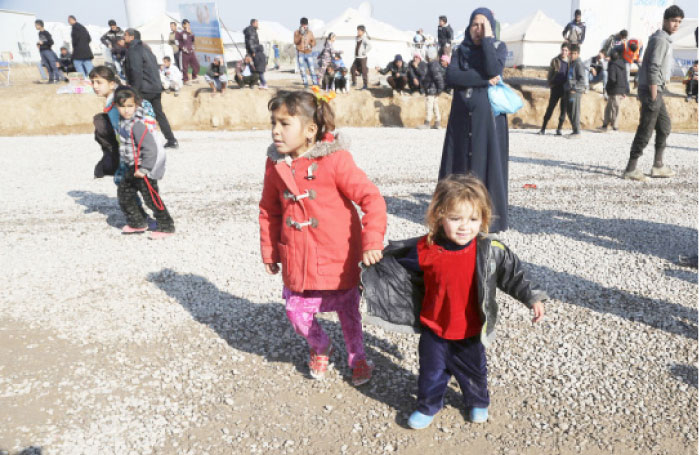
476,141
82,54
398,79
256,50
556,79
142,74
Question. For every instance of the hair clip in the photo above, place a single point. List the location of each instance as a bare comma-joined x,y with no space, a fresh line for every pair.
327,97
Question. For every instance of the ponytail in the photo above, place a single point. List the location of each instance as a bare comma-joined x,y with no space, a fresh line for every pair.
309,105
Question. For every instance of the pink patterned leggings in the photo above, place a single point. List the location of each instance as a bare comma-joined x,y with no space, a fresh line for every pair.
303,306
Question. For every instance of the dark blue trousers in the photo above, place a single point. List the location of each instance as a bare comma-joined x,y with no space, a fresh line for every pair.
440,359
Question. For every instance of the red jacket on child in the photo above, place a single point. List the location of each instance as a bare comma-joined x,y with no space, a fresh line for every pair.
308,222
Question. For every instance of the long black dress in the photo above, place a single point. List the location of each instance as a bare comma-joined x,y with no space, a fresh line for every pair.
476,141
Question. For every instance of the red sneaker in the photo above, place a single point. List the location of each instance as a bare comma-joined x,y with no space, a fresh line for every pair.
318,363
362,372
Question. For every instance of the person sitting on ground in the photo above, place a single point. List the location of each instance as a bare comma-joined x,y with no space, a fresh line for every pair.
617,88
691,82
245,72
416,72
598,71
66,62
433,84
170,76
217,76
398,79
341,72
328,79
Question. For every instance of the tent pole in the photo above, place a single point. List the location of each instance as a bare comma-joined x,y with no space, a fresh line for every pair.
232,40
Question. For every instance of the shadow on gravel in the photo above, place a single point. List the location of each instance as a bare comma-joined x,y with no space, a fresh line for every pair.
32,450
593,169
94,202
262,329
686,373
656,239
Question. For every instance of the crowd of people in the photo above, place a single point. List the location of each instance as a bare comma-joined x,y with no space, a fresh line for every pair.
311,181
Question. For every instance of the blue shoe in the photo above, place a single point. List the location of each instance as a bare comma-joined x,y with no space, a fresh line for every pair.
479,415
418,420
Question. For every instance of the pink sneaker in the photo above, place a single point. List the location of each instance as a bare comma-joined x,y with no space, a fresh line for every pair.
157,235
132,230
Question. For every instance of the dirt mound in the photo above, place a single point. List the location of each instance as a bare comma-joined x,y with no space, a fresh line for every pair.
33,109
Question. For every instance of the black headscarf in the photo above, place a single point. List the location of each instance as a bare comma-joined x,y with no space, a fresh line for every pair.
468,58
483,11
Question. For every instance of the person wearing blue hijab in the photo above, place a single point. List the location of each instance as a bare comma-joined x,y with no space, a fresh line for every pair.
476,141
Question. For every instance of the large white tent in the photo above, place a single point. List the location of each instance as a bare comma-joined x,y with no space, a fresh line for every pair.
532,41
156,33
386,40
684,49
18,35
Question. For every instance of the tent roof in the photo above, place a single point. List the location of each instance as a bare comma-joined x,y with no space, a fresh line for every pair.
269,31
684,38
158,28
536,27
345,26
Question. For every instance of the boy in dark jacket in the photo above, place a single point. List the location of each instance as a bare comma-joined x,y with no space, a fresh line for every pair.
576,86
445,35
618,87
48,56
445,284
556,79
398,79
433,83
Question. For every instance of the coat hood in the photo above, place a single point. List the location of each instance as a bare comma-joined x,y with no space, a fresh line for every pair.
330,143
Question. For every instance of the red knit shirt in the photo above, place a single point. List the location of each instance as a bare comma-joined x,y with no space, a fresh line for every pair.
450,306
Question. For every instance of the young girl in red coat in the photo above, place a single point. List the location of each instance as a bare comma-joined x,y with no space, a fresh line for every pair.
309,225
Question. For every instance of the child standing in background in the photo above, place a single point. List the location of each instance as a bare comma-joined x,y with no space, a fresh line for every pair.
309,225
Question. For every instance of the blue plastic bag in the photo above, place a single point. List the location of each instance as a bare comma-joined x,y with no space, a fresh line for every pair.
503,99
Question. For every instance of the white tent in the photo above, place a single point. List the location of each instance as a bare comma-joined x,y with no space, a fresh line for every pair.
684,49
156,32
18,35
274,32
386,40
533,41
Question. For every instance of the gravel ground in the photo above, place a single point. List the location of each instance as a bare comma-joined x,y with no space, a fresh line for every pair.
114,344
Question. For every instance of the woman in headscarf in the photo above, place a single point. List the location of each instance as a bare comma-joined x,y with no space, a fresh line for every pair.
476,141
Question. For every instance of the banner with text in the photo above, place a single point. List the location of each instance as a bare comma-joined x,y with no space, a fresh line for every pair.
204,20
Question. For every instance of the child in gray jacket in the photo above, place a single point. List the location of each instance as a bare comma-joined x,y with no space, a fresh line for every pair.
142,152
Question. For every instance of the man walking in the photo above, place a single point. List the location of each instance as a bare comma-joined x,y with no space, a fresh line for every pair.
48,56
256,50
653,74
143,75
304,41
556,79
82,54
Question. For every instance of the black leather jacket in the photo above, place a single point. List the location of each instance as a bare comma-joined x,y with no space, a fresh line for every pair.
394,295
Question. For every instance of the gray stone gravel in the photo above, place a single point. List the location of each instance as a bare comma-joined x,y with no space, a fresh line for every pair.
118,345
